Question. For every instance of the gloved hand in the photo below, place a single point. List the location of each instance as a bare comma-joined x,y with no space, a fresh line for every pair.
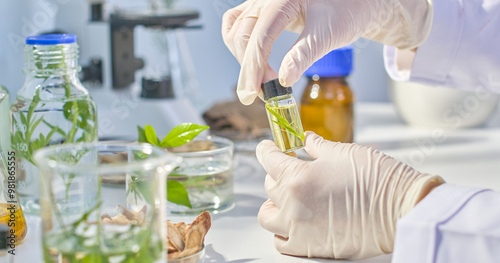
342,205
250,29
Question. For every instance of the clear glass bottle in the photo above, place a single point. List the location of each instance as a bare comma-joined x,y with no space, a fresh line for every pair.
327,102
52,107
283,115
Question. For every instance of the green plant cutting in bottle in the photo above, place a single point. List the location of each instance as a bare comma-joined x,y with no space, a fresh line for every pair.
284,123
53,107
178,136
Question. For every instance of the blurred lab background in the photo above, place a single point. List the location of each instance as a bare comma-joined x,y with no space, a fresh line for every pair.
201,69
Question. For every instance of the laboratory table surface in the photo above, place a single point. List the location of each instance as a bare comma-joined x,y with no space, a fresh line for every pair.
467,157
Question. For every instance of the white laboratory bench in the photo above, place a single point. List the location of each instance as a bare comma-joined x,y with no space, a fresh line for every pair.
467,157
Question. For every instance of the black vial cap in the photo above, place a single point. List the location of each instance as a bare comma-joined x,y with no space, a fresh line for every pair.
273,89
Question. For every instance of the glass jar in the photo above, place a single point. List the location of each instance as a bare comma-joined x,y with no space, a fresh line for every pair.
327,102
283,115
206,172
52,107
98,222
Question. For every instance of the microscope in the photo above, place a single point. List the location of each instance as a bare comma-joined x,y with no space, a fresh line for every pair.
136,65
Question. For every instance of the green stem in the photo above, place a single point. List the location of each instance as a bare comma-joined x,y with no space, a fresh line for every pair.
67,87
74,121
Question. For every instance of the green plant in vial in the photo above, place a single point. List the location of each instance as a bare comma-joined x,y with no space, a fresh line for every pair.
283,115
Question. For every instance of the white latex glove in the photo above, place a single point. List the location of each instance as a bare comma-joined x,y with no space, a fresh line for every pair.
344,204
250,29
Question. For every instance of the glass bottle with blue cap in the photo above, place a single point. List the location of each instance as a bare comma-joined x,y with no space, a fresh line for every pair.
52,107
327,102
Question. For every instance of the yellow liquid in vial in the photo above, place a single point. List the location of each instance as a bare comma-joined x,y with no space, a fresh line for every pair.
15,221
283,138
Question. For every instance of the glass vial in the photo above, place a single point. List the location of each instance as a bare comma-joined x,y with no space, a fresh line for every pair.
52,107
327,102
283,115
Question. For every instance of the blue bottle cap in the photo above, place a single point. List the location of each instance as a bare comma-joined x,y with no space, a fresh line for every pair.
337,63
53,39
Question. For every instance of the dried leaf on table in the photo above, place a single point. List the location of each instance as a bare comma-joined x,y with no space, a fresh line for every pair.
126,217
236,121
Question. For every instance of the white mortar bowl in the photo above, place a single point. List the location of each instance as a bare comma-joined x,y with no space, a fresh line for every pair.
441,107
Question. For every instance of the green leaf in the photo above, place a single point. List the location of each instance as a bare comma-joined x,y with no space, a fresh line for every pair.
33,127
182,134
177,194
142,134
56,128
151,135
290,129
23,118
33,104
283,122
46,140
146,193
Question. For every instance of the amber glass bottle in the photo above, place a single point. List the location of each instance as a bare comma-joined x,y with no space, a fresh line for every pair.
327,102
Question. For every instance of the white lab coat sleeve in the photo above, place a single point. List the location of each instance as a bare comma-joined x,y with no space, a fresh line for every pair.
451,224
462,49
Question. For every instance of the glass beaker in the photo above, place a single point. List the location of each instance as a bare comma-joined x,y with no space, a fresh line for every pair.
52,107
206,172
4,120
11,213
86,221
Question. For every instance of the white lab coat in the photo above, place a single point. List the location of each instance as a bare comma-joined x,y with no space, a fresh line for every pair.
453,223
462,50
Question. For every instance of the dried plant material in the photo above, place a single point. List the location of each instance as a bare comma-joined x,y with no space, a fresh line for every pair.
192,236
183,239
113,158
114,179
78,255
126,217
193,146
238,122
182,227
174,236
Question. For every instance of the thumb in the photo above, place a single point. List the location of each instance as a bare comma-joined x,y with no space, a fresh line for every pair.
276,163
246,95
316,145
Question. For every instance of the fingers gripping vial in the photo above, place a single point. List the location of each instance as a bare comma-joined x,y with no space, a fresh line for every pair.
283,115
